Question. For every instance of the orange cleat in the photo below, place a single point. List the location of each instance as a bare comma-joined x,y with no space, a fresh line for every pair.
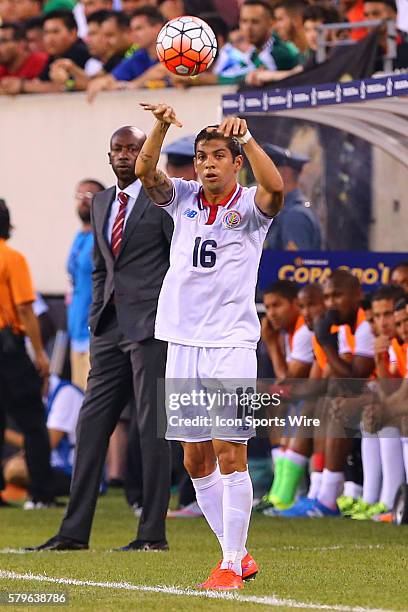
222,580
249,568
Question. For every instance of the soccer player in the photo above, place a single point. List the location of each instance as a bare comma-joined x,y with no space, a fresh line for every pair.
289,344
206,310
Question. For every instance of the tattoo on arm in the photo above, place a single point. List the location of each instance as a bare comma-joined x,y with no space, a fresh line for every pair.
160,189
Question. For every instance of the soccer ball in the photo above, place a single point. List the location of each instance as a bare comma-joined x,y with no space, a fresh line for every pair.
186,46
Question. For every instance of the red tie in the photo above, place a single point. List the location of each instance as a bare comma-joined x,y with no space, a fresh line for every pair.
117,231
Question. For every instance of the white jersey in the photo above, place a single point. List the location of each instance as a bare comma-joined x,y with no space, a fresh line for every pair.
299,345
364,341
208,294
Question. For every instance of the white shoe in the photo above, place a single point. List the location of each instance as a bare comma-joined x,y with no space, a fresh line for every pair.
137,510
193,510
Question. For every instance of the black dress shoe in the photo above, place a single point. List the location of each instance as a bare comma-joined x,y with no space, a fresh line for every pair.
59,543
144,545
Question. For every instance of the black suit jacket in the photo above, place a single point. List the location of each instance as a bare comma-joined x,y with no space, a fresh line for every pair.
135,277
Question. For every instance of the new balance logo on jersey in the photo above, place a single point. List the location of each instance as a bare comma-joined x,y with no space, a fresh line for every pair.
190,213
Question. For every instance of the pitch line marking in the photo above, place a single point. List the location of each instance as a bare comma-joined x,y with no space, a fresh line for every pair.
172,590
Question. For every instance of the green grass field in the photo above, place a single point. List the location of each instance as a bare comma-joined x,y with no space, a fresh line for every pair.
316,564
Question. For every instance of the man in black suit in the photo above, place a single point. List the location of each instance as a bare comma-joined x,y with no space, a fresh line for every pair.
131,257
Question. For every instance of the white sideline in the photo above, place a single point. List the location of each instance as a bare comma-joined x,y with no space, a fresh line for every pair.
334,547
171,590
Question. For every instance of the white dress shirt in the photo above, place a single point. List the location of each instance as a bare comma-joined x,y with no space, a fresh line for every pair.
132,191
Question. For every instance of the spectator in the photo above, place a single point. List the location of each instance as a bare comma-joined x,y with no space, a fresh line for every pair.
265,54
80,271
313,17
116,30
399,275
108,42
296,227
84,9
27,9
63,405
237,39
20,379
133,73
60,40
16,62
8,11
129,6
288,24
180,159
353,11
268,53
34,35
386,10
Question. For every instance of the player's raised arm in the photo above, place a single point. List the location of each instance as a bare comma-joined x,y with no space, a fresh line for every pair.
269,195
156,183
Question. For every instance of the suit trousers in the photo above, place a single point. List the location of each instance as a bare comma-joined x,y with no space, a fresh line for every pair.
120,368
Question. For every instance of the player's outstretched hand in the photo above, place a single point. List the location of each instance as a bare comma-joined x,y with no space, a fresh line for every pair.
232,126
163,113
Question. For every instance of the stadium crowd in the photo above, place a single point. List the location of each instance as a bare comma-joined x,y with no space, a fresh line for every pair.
97,45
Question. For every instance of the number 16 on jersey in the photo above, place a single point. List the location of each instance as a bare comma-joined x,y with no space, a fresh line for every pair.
203,255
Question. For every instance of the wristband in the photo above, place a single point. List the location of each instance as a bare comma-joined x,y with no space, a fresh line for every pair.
243,140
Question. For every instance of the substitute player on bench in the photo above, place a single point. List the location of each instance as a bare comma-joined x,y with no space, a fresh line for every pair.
206,309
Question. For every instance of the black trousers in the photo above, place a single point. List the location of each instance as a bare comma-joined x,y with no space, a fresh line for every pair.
20,396
118,369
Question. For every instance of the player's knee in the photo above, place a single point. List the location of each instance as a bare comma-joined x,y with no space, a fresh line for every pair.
198,467
230,460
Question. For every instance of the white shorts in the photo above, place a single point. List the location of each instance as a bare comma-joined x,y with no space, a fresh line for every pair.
207,391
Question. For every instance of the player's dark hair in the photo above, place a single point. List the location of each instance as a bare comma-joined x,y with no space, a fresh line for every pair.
121,18
66,17
17,29
285,288
401,304
388,292
231,142
5,225
152,14
94,182
266,5
97,17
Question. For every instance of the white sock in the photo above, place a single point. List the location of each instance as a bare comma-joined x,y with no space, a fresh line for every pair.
352,489
209,492
296,457
315,482
237,506
371,458
330,488
392,463
405,454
